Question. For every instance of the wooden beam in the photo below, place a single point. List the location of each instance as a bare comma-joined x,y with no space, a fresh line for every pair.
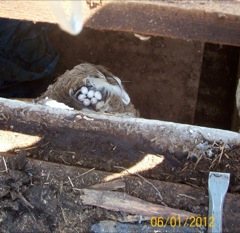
159,19
207,21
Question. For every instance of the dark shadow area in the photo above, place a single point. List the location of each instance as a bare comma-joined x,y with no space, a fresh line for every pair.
217,89
26,55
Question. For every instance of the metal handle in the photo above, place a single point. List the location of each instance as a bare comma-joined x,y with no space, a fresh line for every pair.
217,187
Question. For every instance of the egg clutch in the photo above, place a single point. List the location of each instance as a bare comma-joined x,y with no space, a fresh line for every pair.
88,96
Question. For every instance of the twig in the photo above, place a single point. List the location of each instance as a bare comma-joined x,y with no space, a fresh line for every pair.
219,157
31,213
22,198
198,161
70,181
81,175
184,195
158,192
77,189
5,165
193,185
226,155
64,216
185,167
64,161
48,176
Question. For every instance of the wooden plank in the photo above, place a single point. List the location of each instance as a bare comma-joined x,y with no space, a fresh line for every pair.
216,22
174,22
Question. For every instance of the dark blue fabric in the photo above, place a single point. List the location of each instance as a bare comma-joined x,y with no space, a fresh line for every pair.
25,55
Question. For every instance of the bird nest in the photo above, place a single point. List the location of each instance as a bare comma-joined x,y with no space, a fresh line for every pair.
92,87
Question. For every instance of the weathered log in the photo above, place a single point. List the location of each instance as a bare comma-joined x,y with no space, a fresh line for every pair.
158,135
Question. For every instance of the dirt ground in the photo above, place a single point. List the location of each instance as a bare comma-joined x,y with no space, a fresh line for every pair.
31,204
37,197
105,152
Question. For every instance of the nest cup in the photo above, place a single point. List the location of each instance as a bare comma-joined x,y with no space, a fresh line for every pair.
68,86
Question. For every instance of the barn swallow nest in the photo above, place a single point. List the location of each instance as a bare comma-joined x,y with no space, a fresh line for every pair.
93,87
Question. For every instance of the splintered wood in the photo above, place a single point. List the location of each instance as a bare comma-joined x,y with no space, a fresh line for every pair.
118,201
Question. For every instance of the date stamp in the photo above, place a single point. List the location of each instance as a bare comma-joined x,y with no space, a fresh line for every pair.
177,221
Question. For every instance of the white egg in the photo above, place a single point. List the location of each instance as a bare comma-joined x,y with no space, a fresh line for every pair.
98,95
81,97
90,94
94,101
86,102
84,90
